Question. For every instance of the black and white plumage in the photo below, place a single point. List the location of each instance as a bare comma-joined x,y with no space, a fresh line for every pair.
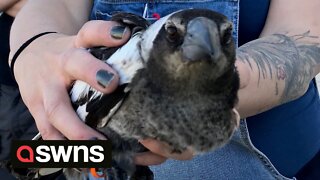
178,84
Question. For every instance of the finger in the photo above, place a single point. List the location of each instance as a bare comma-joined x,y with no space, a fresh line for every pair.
81,65
148,159
164,149
102,33
237,116
62,116
47,131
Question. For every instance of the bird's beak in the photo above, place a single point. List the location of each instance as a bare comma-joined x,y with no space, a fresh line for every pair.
202,41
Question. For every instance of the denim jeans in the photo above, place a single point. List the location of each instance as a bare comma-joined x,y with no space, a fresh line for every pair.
239,159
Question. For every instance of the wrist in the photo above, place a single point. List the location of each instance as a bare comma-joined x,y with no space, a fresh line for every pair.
46,48
23,47
43,41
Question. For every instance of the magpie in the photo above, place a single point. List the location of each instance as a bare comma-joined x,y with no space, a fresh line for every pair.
178,84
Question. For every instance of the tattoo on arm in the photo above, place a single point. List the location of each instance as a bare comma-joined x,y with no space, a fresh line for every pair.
291,59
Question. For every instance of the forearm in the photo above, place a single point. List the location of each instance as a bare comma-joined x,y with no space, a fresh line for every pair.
5,4
280,68
15,8
63,16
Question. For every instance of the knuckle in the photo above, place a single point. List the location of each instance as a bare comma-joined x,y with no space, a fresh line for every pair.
85,34
68,62
80,38
82,34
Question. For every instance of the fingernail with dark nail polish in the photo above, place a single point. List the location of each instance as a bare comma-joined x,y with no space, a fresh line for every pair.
104,78
117,32
93,138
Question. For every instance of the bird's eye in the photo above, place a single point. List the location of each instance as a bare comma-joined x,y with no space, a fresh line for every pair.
172,32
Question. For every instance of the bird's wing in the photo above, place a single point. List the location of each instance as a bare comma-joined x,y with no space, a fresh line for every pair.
92,105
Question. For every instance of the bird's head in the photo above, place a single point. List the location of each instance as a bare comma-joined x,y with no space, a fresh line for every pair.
189,45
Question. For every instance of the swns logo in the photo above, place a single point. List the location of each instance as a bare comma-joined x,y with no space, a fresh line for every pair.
61,154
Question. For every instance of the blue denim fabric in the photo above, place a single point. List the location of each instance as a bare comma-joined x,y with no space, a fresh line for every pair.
239,159
103,9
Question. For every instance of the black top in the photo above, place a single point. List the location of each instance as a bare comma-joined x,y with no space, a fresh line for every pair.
253,15
5,74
